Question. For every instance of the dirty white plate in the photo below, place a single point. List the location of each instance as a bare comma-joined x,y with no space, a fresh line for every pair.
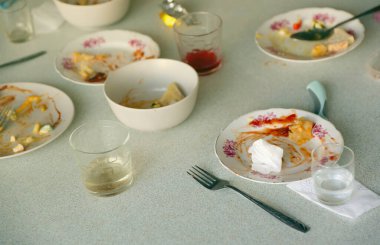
274,45
114,42
59,113
232,145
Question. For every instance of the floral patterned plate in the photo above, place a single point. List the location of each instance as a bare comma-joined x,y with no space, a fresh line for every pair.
272,37
232,144
121,47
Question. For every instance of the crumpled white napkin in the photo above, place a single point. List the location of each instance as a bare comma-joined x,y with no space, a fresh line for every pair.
362,199
46,18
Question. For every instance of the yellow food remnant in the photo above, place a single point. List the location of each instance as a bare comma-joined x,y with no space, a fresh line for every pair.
36,128
319,50
284,32
12,139
18,148
171,95
28,140
43,107
167,19
27,104
301,131
46,129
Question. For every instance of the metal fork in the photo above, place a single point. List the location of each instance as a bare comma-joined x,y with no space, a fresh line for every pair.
5,113
213,183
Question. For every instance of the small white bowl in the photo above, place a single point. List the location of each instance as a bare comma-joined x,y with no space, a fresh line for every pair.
148,80
96,15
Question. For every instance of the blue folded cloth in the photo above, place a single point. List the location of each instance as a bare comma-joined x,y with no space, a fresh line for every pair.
4,4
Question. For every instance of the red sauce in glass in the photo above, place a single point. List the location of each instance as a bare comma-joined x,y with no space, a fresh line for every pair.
202,60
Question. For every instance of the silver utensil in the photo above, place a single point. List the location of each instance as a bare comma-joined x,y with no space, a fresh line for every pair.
23,59
213,183
316,34
173,8
318,93
5,114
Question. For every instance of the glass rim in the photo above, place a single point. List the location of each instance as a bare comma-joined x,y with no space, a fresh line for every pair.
97,122
198,13
339,166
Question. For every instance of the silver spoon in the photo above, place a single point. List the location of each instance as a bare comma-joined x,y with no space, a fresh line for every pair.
320,34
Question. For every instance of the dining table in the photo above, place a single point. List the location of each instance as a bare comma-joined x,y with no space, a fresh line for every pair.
43,200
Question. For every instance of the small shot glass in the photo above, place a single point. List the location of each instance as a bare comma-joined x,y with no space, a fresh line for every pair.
198,37
17,21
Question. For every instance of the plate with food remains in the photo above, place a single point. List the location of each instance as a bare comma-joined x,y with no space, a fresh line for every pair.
36,115
273,36
296,132
89,59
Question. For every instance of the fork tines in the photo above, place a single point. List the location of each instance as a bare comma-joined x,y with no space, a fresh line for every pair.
4,116
202,176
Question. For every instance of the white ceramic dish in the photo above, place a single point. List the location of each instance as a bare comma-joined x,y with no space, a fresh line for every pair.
59,105
328,16
147,80
111,42
237,159
90,16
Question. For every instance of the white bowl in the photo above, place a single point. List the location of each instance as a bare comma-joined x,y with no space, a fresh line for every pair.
97,15
148,80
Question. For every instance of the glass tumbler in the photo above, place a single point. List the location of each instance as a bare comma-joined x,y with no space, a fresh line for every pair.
198,38
333,173
17,22
102,152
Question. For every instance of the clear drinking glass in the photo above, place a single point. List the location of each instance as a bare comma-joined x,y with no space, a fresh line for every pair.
102,152
198,37
17,22
374,65
333,173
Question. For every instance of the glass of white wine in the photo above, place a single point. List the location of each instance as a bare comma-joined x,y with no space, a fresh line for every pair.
333,173
101,149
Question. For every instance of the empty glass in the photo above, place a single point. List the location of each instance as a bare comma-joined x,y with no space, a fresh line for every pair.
17,21
102,152
198,37
333,171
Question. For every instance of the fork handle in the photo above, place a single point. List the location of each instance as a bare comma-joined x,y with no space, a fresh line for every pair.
280,216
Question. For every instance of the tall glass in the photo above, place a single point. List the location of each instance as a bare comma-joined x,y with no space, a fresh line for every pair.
17,21
333,173
102,152
198,37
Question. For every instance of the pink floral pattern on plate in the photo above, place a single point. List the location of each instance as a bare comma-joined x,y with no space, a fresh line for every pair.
277,25
229,148
319,131
136,43
67,63
325,18
93,42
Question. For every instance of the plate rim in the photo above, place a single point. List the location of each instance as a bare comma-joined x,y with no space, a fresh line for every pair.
65,127
356,43
258,111
59,55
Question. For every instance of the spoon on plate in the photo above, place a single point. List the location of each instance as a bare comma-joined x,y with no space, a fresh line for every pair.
318,93
316,34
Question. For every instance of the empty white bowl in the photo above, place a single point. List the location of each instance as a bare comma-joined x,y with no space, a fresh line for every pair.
148,80
96,15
